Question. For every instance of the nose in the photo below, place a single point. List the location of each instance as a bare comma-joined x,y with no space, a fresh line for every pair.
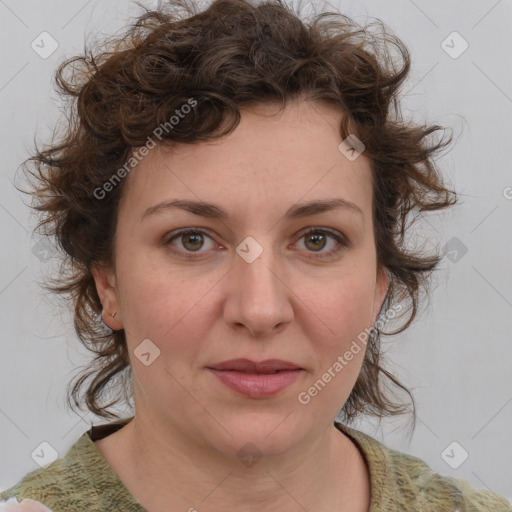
258,299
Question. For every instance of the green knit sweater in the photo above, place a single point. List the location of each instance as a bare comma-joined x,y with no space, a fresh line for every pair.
83,481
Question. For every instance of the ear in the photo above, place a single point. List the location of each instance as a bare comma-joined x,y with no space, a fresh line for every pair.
381,288
105,280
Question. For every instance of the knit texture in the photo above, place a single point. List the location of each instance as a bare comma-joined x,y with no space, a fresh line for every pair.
82,480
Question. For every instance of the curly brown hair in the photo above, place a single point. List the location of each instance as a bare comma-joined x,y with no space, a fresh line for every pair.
231,55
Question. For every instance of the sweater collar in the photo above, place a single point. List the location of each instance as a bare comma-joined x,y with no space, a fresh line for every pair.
383,480
385,495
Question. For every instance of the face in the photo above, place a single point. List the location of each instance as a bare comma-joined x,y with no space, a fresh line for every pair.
263,282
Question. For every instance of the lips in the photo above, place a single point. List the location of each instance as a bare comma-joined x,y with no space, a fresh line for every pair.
262,379
265,367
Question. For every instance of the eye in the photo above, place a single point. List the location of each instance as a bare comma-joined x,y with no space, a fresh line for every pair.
191,241
316,239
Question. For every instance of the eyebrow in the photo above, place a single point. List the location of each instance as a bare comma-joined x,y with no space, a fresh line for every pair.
213,211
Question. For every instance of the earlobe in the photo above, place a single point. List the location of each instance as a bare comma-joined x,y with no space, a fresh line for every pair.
104,279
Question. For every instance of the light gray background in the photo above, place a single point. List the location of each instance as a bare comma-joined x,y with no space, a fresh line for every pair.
457,357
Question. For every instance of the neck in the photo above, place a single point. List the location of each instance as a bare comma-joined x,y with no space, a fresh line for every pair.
158,468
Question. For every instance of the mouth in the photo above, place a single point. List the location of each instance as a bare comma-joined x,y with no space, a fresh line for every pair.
256,379
269,366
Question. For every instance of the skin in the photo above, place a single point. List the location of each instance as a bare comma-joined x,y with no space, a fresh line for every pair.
25,505
181,448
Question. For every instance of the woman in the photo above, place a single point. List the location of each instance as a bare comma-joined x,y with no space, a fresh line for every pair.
231,195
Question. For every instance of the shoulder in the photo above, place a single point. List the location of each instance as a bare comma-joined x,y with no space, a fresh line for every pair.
404,482
49,485
433,491
56,483
81,480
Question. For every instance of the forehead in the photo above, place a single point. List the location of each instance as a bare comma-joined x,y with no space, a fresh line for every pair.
272,159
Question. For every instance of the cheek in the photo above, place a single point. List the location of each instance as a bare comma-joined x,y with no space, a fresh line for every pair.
162,309
169,309
342,316
340,310
172,315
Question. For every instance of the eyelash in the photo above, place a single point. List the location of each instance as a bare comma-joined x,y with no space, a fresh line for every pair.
342,241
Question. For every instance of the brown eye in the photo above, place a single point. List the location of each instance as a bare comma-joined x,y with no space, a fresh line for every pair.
191,241
315,240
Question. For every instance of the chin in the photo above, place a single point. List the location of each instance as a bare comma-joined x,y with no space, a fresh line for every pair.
264,433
